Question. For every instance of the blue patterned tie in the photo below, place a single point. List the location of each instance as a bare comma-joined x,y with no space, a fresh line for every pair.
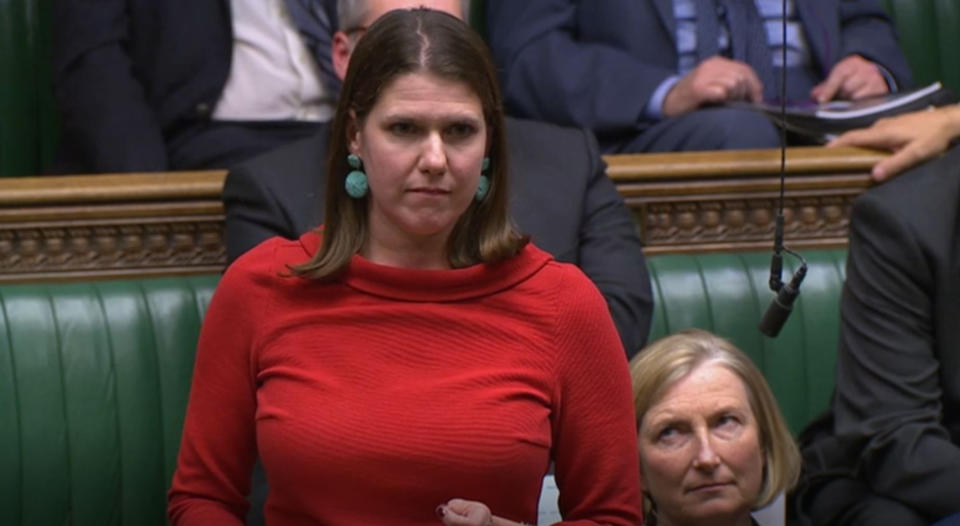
708,29
316,19
749,43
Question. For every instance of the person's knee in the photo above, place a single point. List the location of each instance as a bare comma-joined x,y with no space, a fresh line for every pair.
845,501
705,129
736,129
880,511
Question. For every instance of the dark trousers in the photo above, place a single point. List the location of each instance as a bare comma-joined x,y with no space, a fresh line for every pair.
222,144
848,502
716,128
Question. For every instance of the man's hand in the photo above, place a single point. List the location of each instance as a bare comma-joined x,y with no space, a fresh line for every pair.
912,137
713,81
852,78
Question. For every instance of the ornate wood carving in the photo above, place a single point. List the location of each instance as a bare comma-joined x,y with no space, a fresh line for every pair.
104,226
737,224
710,201
111,226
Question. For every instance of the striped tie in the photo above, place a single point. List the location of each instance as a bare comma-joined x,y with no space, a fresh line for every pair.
708,30
315,19
750,44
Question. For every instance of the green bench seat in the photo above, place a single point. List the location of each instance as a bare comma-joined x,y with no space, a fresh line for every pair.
727,293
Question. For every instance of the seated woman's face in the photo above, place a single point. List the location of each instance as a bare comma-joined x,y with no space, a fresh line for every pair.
700,450
422,147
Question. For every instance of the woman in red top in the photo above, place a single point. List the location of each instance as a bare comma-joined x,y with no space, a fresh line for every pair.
417,351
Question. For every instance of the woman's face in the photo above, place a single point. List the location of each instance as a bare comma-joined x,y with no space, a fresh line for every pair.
700,450
422,147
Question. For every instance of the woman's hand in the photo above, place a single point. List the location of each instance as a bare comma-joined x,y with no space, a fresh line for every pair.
459,512
912,137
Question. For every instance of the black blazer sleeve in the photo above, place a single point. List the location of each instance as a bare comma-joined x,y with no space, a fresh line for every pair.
612,257
106,123
253,212
889,397
279,193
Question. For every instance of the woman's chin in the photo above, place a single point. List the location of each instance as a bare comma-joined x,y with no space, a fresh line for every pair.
723,510
429,225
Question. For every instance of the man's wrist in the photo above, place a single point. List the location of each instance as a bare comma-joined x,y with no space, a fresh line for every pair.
953,116
892,86
654,110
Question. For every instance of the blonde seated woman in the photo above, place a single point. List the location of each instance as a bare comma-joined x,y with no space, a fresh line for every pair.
713,445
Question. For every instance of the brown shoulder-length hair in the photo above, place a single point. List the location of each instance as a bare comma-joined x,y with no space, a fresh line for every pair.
416,41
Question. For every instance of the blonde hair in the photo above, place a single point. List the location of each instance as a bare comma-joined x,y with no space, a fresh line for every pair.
668,360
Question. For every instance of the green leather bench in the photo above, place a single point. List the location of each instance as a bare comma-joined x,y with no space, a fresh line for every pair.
94,376
28,128
727,293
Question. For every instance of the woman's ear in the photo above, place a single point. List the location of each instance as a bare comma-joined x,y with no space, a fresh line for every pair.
354,139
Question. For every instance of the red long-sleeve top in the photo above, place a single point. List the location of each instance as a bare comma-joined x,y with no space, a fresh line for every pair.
375,397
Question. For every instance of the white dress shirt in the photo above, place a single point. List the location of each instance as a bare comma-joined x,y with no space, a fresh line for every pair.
273,76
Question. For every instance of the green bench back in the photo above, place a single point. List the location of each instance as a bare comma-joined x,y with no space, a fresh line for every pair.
28,130
728,294
94,379
930,36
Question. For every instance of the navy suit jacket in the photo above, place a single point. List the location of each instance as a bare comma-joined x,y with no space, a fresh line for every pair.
894,424
596,64
560,196
130,75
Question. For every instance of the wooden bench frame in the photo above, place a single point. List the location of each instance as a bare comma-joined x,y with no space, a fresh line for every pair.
115,225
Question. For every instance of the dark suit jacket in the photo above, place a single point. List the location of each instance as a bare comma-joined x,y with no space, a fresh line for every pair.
130,75
561,196
596,64
896,412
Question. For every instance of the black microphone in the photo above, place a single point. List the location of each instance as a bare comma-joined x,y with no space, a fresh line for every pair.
781,306
776,262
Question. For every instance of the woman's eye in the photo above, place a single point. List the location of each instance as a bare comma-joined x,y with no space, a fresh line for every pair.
461,130
402,128
728,421
668,434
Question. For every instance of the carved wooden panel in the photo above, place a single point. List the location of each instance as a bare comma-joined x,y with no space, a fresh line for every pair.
177,246
737,224
104,226
111,226
710,201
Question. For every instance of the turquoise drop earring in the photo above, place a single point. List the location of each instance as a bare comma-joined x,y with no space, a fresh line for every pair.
356,182
483,188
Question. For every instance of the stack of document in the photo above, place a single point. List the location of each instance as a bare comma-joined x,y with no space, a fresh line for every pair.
821,121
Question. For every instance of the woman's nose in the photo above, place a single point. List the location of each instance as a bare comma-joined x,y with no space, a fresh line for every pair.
707,458
433,158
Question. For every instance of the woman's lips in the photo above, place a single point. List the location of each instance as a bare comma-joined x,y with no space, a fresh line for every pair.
429,191
710,487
